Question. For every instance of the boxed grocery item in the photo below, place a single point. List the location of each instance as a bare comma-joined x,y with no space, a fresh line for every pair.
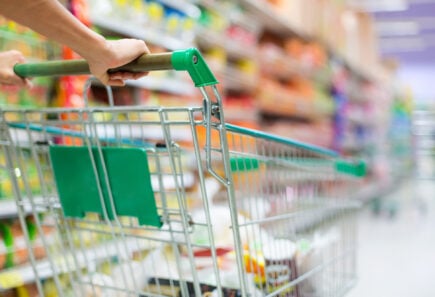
332,17
311,14
13,246
294,11
361,41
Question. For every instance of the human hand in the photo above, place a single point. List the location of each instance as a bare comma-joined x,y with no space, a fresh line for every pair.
8,77
115,53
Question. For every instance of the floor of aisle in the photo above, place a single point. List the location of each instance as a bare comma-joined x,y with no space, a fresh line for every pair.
396,255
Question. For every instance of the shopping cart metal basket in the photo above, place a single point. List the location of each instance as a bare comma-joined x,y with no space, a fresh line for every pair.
164,201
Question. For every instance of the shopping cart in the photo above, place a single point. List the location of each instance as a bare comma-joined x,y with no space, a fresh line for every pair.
165,201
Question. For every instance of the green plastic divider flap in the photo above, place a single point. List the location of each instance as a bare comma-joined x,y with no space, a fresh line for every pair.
240,164
8,240
358,169
31,229
191,60
128,179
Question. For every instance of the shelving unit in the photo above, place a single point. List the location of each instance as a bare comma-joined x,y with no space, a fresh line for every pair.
282,67
282,26
9,209
135,31
423,131
233,49
262,12
235,79
184,6
21,275
164,84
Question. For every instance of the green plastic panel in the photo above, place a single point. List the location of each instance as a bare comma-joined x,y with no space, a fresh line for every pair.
358,169
239,164
8,240
192,61
128,179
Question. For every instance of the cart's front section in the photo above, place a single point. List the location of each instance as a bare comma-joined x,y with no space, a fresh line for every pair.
296,214
143,201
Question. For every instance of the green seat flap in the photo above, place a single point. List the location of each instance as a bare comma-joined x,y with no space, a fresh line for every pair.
128,179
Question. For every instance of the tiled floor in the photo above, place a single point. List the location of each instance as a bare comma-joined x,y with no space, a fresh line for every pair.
396,255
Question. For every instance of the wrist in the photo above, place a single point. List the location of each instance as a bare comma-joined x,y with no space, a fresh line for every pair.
95,48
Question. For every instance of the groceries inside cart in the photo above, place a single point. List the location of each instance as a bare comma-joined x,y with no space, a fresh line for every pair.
159,201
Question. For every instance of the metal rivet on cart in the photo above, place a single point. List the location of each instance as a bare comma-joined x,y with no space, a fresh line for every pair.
195,59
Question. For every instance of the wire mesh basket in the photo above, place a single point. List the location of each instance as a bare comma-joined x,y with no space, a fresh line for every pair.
159,201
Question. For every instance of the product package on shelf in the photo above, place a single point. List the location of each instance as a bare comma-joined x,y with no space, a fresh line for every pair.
151,20
15,249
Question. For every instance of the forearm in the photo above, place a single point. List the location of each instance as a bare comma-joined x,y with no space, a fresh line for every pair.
49,18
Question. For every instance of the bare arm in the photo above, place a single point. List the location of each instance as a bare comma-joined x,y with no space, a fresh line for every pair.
51,19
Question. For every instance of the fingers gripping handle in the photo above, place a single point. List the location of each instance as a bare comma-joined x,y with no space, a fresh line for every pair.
189,60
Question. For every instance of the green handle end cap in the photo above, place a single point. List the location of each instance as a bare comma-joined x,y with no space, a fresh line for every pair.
192,61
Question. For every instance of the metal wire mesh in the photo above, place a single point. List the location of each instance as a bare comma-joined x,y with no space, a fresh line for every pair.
241,213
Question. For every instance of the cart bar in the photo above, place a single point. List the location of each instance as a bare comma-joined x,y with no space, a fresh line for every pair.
352,168
189,60
283,140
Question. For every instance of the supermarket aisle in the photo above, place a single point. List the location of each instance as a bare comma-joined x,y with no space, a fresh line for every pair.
397,254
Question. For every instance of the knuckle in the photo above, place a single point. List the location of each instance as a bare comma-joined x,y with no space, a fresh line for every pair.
15,53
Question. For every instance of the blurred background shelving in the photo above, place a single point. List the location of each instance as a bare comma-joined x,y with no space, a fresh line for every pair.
282,68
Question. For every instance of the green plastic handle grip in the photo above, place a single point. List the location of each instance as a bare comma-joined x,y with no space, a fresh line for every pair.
189,60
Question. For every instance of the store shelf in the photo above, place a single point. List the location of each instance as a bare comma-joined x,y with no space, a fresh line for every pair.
9,209
358,69
356,146
283,67
240,114
237,80
21,275
361,119
282,26
356,96
291,106
207,38
282,103
169,85
263,12
128,133
229,11
186,7
147,33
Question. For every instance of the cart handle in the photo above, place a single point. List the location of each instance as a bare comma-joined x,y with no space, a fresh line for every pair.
189,60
